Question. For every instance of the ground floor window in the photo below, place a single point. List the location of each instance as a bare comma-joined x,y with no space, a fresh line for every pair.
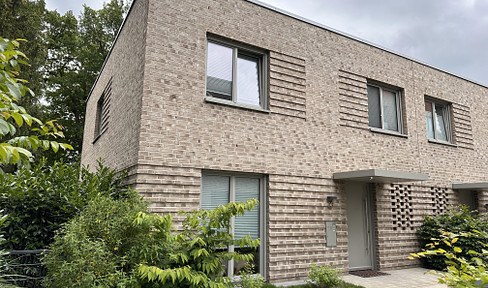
221,188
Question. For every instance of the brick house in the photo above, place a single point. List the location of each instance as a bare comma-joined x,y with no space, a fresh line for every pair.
346,145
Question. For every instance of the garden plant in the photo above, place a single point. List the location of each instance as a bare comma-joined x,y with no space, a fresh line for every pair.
459,220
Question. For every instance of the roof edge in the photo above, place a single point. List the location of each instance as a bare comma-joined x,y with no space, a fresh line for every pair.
338,32
297,17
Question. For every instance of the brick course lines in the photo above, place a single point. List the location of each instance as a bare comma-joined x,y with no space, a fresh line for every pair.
162,129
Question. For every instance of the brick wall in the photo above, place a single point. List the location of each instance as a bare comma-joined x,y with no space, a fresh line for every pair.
124,73
317,125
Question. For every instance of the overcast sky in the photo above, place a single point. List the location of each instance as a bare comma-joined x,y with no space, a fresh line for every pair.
76,6
449,34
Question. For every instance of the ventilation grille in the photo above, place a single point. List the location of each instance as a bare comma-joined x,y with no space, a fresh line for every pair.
287,84
353,100
440,200
402,211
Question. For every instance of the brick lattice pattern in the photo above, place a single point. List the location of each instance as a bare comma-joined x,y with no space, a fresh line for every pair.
402,207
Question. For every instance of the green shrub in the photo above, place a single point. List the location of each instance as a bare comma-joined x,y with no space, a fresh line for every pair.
461,271
95,248
324,276
200,249
249,279
455,221
38,200
116,243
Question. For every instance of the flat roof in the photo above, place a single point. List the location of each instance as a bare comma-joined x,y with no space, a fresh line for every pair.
300,18
303,19
470,186
379,176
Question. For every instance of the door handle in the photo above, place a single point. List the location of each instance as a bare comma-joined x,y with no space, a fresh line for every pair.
366,218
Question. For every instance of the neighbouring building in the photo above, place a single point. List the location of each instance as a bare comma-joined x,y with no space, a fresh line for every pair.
346,145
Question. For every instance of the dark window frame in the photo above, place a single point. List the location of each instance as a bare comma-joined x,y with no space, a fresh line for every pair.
447,110
399,108
247,51
99,117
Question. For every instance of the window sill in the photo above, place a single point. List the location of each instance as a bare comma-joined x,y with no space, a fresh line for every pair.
239,105
442,142
96,138
387,132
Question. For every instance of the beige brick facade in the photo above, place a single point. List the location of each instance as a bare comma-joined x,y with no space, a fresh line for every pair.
163,130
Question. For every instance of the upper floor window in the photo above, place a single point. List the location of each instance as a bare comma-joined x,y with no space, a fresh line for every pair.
438,119
384,108
100,116
103,111
235,74
98,128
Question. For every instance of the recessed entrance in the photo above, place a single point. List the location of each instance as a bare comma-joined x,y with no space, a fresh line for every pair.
360,226
468,198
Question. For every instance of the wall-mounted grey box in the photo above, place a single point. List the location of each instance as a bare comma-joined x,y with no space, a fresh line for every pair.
331,233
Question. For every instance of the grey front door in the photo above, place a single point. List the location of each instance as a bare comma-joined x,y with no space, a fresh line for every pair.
359,222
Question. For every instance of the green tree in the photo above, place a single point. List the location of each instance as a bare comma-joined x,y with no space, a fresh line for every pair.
77,50
25,19
66,56
65,88
456,220
15,148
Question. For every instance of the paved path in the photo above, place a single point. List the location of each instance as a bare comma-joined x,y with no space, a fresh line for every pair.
405,278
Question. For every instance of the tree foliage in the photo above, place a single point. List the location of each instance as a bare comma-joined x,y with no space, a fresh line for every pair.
76,52
66,55
26,20
200,249
15,147
39,200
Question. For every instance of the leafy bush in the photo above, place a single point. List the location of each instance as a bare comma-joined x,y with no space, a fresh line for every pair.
249,279
456,221
461,271
38,200
95,248
324,276
116,243
3,261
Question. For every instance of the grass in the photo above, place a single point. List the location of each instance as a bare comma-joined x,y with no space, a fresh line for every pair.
343,285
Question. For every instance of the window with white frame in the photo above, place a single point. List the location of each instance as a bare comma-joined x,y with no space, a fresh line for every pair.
385,108
236,74
221,188
438,120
